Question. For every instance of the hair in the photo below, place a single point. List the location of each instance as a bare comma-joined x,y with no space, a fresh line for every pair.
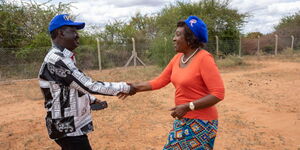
189,36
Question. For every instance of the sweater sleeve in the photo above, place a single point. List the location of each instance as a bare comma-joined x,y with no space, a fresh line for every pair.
66,72
164,78
211,77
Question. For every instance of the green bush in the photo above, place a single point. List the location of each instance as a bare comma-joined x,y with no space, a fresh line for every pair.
230,61
162,50
268,49
87,57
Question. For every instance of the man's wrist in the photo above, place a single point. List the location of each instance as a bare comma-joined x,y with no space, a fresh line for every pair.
95,101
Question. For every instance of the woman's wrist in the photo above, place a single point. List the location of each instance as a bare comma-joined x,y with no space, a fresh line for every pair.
143,86
187,107
191,106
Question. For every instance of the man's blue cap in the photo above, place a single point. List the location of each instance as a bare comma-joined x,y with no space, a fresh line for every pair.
198,27
64,20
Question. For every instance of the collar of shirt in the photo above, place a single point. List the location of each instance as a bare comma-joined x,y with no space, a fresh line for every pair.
66,52
58,47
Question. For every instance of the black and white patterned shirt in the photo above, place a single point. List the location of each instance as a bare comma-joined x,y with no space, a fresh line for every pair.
67,94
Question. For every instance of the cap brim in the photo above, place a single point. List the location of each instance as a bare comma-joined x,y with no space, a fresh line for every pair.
78,25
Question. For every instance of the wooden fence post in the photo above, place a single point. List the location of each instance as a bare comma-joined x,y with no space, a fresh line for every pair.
134,56
217,46
99,54
258,45
240,47
276,44
292,45
165,48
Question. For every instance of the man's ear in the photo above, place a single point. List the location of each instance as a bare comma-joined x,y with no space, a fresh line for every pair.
60,33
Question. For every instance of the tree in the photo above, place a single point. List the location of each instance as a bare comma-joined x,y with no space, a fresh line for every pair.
11,31
289,21
221,21
139,26
118,34
289,25
21,22
157,30
253,35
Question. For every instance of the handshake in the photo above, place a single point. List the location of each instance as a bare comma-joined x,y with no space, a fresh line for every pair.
133,89
99,105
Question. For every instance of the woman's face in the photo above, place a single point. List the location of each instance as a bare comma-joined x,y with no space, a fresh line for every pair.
179,41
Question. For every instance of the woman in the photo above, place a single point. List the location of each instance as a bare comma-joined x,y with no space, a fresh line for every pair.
198,85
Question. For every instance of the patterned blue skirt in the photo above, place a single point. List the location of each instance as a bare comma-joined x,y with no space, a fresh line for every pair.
192,134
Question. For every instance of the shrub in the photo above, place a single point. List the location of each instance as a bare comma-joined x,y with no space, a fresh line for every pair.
230,61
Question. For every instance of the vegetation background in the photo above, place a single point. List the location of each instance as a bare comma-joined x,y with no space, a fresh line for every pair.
260,111
24,38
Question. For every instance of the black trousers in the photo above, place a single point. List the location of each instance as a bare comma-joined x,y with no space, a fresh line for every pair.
74,143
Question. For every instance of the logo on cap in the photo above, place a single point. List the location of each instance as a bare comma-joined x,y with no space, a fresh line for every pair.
193,21
67,18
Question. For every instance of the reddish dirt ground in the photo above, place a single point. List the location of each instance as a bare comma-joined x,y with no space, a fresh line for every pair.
260,111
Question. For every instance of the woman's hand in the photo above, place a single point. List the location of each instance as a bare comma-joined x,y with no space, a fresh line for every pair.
141,86
132,91
134,88
179,111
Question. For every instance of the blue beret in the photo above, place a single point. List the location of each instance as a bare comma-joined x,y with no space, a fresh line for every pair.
64,20
198,27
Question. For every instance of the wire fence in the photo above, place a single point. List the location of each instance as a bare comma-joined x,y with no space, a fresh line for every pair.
16,64
25,63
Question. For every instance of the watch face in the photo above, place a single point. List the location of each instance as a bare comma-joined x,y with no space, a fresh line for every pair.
192,106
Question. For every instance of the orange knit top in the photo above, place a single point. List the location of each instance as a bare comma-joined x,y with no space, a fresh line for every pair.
198,79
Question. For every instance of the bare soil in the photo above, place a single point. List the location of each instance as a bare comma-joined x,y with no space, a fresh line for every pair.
260,111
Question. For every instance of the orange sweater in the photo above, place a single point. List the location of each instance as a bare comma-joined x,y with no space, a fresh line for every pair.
198,79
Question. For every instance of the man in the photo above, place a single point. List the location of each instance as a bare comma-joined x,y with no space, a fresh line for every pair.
67,90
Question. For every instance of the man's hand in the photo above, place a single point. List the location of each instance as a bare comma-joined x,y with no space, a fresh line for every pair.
122,95
132,90
179,111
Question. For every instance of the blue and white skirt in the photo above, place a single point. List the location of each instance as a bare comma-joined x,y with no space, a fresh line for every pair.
192,134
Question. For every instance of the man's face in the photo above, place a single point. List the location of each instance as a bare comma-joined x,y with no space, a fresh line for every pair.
70,37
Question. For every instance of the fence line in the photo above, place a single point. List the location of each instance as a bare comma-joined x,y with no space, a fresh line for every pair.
13,64
258,50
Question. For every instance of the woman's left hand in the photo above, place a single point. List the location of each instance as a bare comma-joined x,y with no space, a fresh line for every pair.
179,111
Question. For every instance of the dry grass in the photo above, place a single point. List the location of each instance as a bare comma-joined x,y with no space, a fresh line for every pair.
260,110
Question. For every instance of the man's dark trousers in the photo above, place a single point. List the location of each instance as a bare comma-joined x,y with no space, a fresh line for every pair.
74,143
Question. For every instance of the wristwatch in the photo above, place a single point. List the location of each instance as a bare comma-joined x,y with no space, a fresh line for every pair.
191,106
